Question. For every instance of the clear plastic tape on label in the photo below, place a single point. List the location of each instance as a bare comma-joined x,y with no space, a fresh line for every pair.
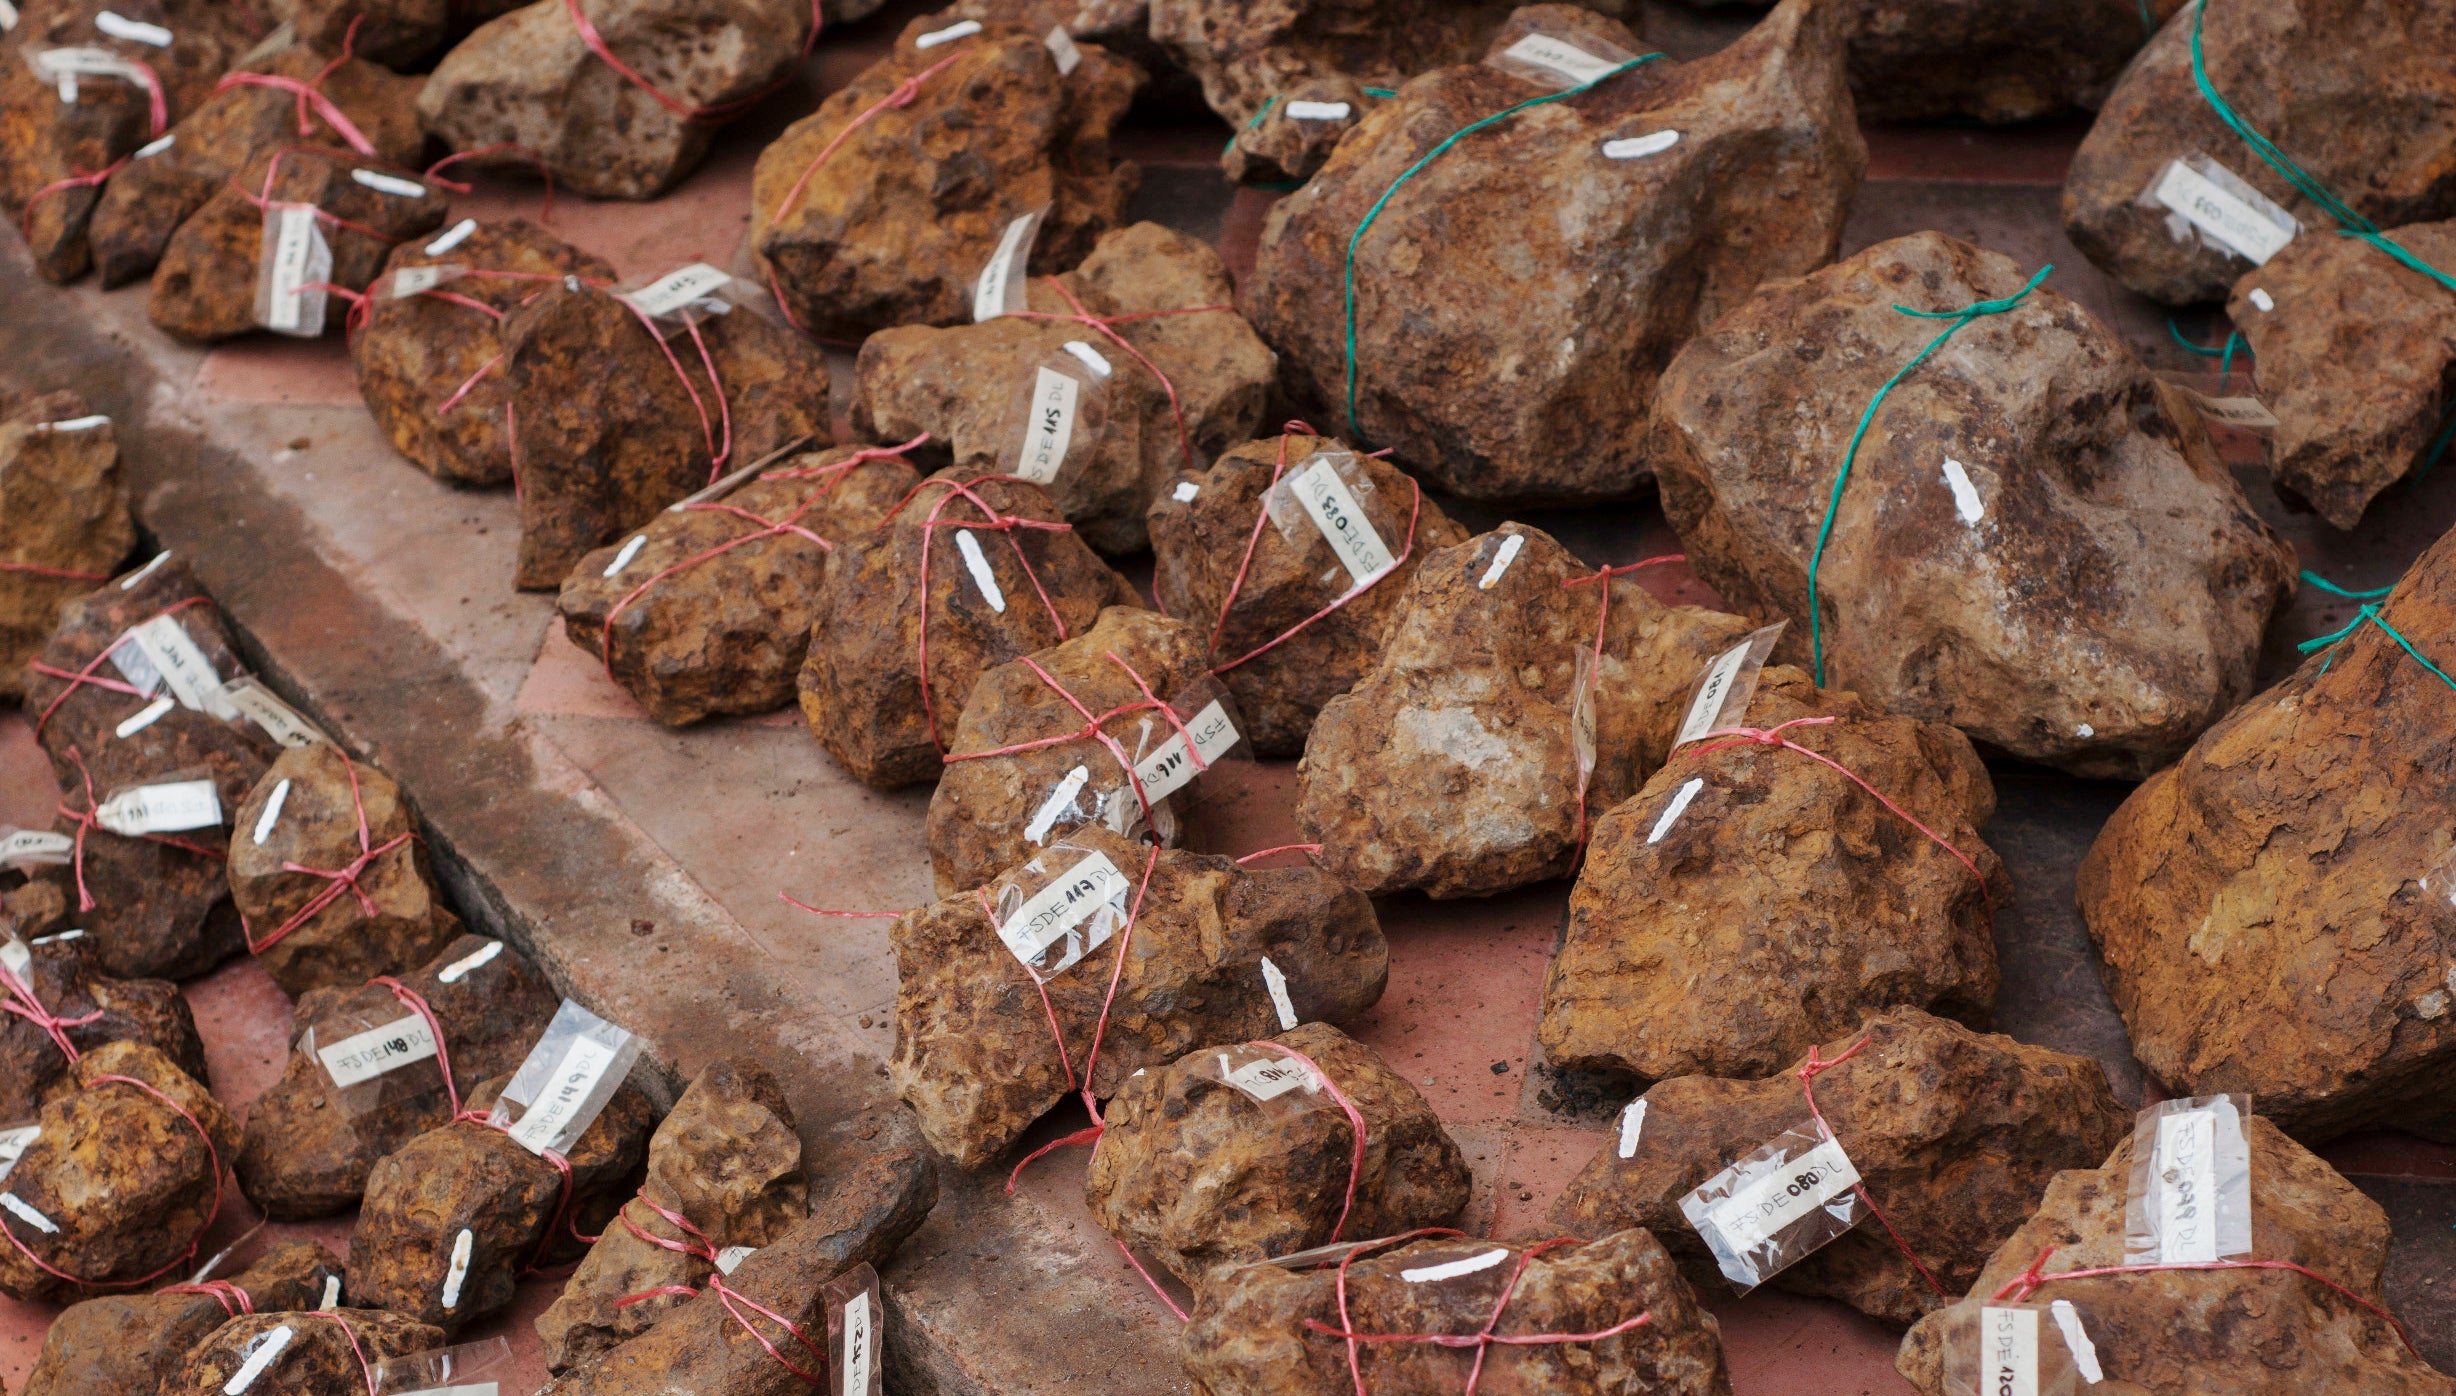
260,705
291,259
1057,414
174,804
1270,1077
1560,63
856,1326
483,1368
180,663
566,1080
2189,1198
1328,495
34,848
1060,906
2242,413
1169,765
1719,697
686,296
999,289
2206,204
376,1059
1777,1206
2005,1350
413,281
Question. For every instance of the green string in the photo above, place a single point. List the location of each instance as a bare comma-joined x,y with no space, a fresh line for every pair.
2225,368
2148,21
2283,164
2438,448
1266,111
2371,614
2311,578
1429,157
1833,504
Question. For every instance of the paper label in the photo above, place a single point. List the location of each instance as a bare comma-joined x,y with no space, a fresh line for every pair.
17,959
459,969
978,564
1632,1122
675,289
459,233
963,29
1635,147
1318,111
1006,264
32,847
271,814
1575,65
458,1274
584,1063
1678,806
857,1345
268,1350
279,720
383,183
14,1143
162,809
1450,1270
1269,1078
2185,1173
1056,910
2246,413
1168,769
166,645
1765,1205
411,281
1049,429
144,717
1062,48
367,1055
26,1212
730,1259
1341,519
300,256
629,551
1277,983
2076,1339
1061,799
1502,557
132,30
1965,495
2008,1352
1708,706
2222,215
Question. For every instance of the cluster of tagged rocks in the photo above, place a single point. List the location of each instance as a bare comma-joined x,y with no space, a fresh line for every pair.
1951,512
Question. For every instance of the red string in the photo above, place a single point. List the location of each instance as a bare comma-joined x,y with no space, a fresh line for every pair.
1603,620
2029,1281
768,528
1093,730
157,104
337,880
1484,1339
87,674
211,1212
25,1004
364,1367
995,522
86,821
234,1300
715,112
1106,326
1262,516
433,172
702,1249
1307,848
264,197
1807,1073
311,92
25,220
60,572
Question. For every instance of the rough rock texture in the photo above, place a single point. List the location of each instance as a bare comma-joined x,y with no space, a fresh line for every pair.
63,508
1956,1134
1274,148
65,979
968,386
133,1344
1623,262
1928,60
125,1177
973,1054
414,352
1197,1172
728,1161
309,1144
2228,1330
160,912
1199,545
2356,359
528,78
728,633
991,813
1783,904
858,1220
2107,601
2258,904
1456,767
205,285
895,226
862,685
319,1358
149,198
608,433
2368,110
1249,1336
469,1177
43,139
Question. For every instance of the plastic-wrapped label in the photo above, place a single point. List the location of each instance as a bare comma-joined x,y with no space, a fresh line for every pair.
566,1080
2225,209
279,720
2189,1199
27,848
1327,489
2242,413
1072,916
676,289
1777,1206
174,655
418,280
1000,288
2006,1350
1559,63
1719,698
1170,767
292,259
169,808
1062,51
367,1055
851,1301
471,1369
1051,426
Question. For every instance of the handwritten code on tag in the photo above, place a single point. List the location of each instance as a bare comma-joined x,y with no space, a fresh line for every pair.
1573,64
2185,1174
1341,520
32,847
161,809
2244,413
857,1345
584,1063
174,655
1053,913
1269,1078
279,720
730,1259
1707,709
367,1055
411,281
1169,769
1005,268
1049,430
1781,1195
2227,218
676,289
298,259
2008,1341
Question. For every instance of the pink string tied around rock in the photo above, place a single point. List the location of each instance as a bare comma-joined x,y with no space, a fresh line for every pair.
212,1211
716,111
262,196
1483,1340
91,673
434,172
1603,623
992,521
702,1249
2030,1281
234,1300
24,1003
312,101
81,180
1807,1074
1262,518
89,819
1107,326
337,881
1094,727
62,573
366,1369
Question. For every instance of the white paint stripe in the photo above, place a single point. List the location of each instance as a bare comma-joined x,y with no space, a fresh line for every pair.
272,811
1965,494
1450,1270
1679,803
1060,800
455,971
1501,559
458,1275
1632,1120
266,1354
630,551
145,717
978,565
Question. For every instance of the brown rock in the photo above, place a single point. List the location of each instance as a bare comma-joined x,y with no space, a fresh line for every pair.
2318,102
1525,247
972,386
1271,147
728,633
471,1179
1470,760
325,1354
1783,903
895,226
415,352
2030,493
862,687
1120,26
1199,1170
2210,1330
134,1344
1249,1335
992,812
311,930
702,1349
608,432
2354,360
727,1160
974,1056
309,1143
2273,910
395,33
205,286
528,78
1203,523
1930,60
150,196
1955,1134
62,976
63,509
128,1180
